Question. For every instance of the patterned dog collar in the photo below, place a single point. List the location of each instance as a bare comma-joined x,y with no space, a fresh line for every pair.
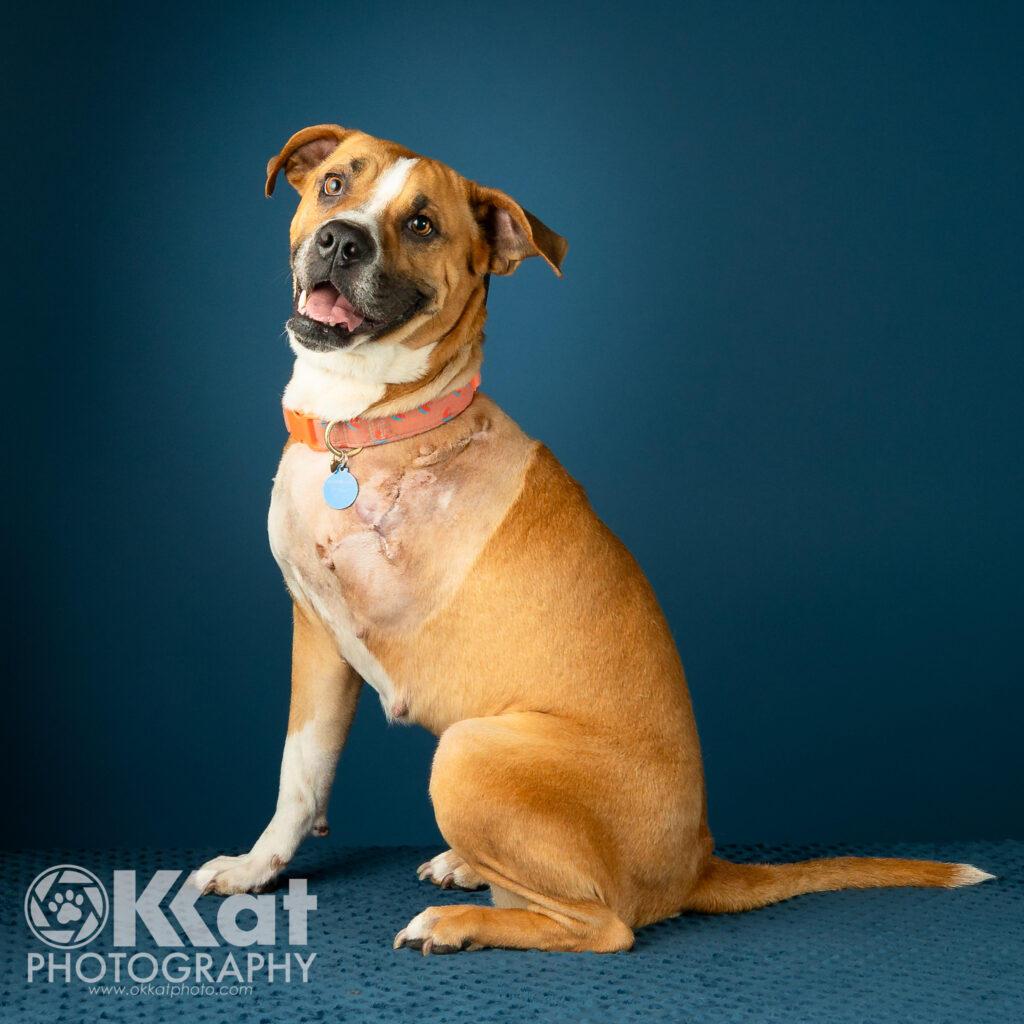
313,431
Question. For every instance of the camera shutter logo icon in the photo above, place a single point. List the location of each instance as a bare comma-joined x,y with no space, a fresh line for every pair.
66,906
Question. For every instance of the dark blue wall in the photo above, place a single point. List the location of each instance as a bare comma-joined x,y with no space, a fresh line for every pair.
796,237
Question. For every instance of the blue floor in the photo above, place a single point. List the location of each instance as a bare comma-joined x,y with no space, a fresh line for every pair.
906,955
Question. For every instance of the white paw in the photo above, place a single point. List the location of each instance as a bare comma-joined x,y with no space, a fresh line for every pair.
417,933
226,875
450,871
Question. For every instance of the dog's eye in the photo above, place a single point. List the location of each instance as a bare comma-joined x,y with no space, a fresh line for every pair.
420,225
333,184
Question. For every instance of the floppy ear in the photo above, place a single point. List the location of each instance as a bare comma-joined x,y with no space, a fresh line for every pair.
304,152
514,234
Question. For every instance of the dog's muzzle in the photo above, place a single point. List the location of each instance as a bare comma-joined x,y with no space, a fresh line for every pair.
345,293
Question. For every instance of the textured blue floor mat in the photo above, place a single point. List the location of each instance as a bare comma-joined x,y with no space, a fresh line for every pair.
907,955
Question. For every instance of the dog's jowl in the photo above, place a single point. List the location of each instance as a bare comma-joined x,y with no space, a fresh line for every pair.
437,553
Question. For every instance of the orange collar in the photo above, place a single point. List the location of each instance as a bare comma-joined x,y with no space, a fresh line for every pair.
313,431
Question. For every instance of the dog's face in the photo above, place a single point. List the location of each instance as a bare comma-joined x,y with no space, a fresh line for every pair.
388,247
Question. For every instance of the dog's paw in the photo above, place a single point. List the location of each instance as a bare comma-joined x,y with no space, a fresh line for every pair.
450,871
226,875
436,930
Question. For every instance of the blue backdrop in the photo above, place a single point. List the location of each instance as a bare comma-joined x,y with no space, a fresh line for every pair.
796,237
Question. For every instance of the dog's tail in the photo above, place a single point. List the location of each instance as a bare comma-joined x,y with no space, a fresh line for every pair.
726,887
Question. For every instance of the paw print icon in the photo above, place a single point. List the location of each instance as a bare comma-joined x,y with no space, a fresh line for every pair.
66,906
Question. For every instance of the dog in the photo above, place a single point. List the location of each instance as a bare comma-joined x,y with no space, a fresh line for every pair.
434,551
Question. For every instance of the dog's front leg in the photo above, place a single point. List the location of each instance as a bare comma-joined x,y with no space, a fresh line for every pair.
325,691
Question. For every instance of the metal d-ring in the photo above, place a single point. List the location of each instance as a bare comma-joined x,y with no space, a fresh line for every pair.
341,455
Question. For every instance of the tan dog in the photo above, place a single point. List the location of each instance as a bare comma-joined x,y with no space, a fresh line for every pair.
472,586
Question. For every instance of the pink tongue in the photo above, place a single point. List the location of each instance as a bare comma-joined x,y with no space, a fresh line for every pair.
327,305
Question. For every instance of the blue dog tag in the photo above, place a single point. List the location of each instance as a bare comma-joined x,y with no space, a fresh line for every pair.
340,488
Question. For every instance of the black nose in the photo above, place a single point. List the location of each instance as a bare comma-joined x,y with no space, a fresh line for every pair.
344,244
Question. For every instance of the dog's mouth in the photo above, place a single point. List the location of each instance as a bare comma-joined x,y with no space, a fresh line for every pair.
323,318
326,305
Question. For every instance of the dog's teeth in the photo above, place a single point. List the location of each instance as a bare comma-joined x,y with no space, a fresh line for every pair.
302,301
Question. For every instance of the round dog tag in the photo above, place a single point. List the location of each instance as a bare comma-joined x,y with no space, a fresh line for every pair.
340,488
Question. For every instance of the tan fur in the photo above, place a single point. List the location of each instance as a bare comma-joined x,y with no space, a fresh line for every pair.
487,602
324,687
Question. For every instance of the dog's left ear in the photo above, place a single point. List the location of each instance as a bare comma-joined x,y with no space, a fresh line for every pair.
304,152
512,233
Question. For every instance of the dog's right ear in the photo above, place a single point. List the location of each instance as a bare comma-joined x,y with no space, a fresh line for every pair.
304,152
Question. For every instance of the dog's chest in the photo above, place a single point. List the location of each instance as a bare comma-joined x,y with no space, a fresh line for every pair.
354,560
384,565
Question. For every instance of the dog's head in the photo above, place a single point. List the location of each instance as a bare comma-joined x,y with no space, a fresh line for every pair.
389,248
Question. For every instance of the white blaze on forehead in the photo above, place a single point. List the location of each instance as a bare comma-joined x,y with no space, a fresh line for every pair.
389,186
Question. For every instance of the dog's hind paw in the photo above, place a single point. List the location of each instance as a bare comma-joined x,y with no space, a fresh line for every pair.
226,875
450,871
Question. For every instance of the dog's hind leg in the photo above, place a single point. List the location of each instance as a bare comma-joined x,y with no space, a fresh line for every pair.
563,928
449,871
325,691
512,797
